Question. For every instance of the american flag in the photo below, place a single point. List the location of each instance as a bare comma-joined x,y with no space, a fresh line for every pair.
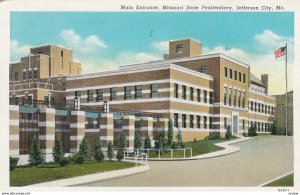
280,52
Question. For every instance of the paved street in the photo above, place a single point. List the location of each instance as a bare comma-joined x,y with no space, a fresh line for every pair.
258,161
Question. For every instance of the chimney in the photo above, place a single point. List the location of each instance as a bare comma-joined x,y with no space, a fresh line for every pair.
265,80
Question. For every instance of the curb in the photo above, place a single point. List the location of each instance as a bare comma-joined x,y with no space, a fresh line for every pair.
93,177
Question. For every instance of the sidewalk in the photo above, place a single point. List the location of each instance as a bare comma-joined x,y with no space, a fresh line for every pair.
93,177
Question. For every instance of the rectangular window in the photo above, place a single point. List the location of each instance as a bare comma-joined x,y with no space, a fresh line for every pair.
204,69
16,76
176,119
77,93
198,122
138,91
99,95
35,74
24,75
235,75
243,124
176,90
90,95
234,97
239,98
243,100
251,105
240,76
30,100
244,78
225,95
258,107
30,74
205,122
229,97
262,108
191,93
46,100
154,91
226,72
210,97
230,73
113,94
127,93
255,106
198,95
210,123
184,120
183,92
191,121
266,109
205,96
225,123
179,48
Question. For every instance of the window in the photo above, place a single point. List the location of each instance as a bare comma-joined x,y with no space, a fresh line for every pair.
229,97
52,100
90,95
179,48
235,75
24,75
176,90
258,125
266,109
113,94
16,76
240,76
35,73
239,98
30,100
258,107
183,92
225,95
99,95
153,88
198,95
204,69
226,72
191,93
205,96
77,93
30,74
46,100
176,119
191,121
243,124
210,97
243,100
251,106
127,93
230,73
210,123
234,97
225,123
138,92
205,122
244,78
262,108
255,106
198,122
184,120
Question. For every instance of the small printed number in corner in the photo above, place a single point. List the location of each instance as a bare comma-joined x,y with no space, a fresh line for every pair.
15,193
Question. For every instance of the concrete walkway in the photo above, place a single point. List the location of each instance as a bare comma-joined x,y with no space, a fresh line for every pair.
93,177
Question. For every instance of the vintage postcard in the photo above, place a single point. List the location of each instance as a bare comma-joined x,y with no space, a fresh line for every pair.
150,95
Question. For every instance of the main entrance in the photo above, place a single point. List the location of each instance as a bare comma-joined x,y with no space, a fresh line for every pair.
235,124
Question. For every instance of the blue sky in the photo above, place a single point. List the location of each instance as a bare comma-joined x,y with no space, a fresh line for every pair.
105,40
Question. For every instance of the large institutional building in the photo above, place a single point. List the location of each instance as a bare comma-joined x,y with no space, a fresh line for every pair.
200,93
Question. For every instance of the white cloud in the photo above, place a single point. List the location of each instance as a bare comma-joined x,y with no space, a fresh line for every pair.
92,43
162,46
17,51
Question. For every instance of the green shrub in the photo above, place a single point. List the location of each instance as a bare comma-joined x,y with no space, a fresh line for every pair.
228,134
147,143
58,150
99,156
252,131
64,161
214,136
35,154
195,140
84,148
174,145
170,133
13,163
120,154
137,139
78,158
110,151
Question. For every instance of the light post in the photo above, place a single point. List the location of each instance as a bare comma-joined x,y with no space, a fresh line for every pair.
105,107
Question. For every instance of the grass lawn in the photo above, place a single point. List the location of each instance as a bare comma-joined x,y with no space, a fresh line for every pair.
30,175
282,182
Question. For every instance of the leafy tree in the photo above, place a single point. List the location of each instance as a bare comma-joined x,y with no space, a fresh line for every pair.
179,138
99,156
147,143
58,150
137,139
84,148
110,151
170,133
121,146
35,154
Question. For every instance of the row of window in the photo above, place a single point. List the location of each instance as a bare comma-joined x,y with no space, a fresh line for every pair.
226,124
238,97
138,89
26,75
261,108
260,126
191,121
235,75
192,98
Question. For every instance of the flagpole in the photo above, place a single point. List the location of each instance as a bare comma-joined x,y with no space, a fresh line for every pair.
286,97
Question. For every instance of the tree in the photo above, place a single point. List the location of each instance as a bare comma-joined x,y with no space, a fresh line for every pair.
84,148
137,139
35,154
110,151
99,156
58,150
228,134
162,140
179,138
121,146
170,133
274,128
147,143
